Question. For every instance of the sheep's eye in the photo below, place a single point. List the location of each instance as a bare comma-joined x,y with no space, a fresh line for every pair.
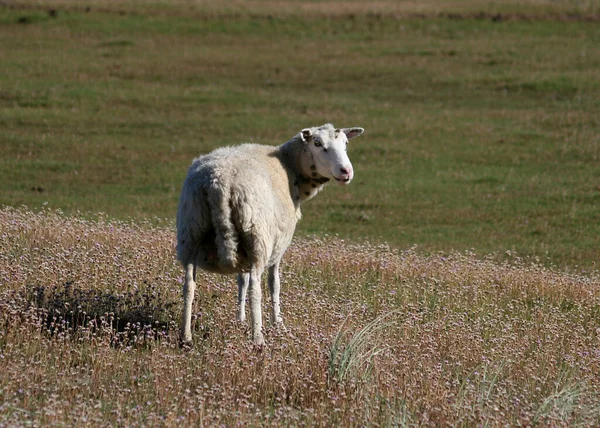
318,144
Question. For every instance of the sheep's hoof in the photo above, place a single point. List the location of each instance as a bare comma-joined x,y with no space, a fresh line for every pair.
280,327
185,344
259,340
185,340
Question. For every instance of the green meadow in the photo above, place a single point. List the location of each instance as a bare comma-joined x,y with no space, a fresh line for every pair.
482,120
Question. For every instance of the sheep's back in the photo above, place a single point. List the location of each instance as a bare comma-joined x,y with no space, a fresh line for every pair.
262,206
257,187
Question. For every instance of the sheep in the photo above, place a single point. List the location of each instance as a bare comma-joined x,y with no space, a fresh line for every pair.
239,207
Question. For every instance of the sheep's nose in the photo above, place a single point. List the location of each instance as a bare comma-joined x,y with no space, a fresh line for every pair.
347,173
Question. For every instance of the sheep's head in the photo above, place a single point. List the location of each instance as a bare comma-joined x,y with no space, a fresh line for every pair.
328,148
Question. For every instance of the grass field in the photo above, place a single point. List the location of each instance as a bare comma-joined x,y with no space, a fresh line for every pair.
482,119
462,288
374,337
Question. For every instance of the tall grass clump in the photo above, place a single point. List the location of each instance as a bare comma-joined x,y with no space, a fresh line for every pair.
90,308
354,356
570,397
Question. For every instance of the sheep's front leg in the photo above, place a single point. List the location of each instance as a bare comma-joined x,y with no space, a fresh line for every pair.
274,287
189,287
243,280
255,301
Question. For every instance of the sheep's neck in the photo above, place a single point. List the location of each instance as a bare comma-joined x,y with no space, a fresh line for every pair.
307,182
308,187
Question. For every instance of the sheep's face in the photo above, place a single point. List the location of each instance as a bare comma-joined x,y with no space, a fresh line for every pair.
328,149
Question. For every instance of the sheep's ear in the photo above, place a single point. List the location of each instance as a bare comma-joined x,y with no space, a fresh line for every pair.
352,132
306,135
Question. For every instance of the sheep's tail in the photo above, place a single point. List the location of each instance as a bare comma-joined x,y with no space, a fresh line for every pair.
219,197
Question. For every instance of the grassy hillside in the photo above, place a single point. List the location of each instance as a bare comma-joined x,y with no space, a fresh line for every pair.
481,119
89,313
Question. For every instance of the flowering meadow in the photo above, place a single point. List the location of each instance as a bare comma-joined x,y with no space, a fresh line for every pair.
90,309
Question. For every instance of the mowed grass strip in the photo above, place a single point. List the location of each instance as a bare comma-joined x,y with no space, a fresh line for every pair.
482,134
90,312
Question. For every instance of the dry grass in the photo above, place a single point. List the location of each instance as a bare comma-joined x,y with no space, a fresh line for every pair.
88,336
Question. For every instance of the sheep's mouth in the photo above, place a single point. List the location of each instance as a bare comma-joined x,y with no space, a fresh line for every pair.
343,180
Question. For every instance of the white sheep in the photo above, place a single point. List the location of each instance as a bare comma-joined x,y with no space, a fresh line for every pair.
239,207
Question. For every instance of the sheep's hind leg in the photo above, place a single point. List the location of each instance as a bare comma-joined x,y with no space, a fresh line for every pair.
274,288
189,287
255,301
243,280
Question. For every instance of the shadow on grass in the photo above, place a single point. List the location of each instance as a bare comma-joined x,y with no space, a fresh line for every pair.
136,317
